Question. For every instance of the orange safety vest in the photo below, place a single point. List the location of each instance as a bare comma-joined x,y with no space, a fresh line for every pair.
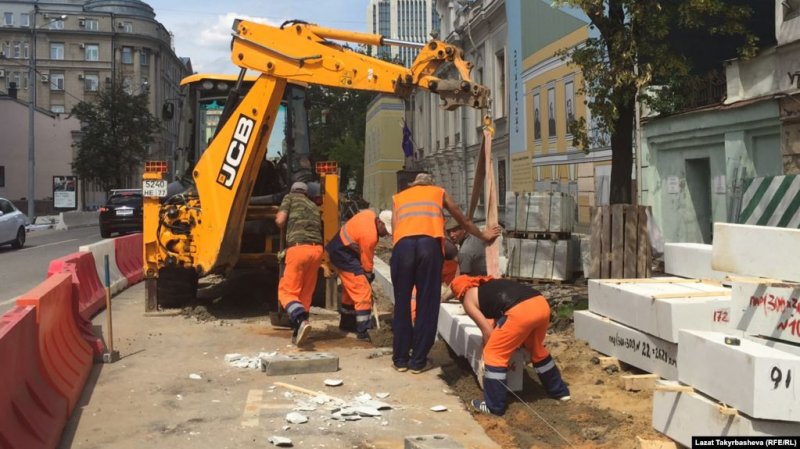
361,235
418,210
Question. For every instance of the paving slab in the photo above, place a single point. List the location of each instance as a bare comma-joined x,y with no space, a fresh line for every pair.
644,351
431,442
760,381
300,363
681,415
465,339
661,307
767,309
690,260
383,278
762,251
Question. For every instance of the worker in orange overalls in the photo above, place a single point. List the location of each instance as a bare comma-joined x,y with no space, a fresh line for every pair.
301,219
351,251
521,316
417,258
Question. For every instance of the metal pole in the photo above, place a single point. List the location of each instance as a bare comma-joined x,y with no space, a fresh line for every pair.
31,108
401,43
108,305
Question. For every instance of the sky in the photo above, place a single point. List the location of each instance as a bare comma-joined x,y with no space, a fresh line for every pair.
202,28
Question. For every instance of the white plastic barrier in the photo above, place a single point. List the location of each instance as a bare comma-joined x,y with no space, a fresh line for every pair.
99,250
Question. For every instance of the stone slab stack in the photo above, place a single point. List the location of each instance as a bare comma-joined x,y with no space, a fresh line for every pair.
540,212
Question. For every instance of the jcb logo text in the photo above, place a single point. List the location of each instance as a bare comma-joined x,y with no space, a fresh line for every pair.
235,155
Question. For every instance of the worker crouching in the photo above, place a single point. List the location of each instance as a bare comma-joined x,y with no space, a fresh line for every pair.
521,316
300,217
351,251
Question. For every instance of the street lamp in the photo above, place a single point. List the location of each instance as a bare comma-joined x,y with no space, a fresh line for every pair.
31,109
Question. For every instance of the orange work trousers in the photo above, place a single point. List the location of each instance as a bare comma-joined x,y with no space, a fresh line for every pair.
300,275
525,325
356,291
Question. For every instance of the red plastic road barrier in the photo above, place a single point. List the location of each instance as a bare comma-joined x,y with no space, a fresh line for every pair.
32,412
90,294
129,256
65,357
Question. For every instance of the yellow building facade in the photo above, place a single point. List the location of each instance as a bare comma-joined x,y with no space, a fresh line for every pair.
383,152
554,98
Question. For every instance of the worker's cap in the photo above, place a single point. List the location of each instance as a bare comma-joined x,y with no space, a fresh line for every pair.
299,187
422,179
386,218
451,224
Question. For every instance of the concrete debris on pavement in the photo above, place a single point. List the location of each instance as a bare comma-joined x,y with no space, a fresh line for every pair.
237,360
280,441
194,376
439,408
333,382
296,418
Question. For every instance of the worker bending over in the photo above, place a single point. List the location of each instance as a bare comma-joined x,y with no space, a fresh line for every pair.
521,316
417,256
351,251
301,219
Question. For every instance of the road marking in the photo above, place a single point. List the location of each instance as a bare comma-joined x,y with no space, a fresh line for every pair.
252,408
47,244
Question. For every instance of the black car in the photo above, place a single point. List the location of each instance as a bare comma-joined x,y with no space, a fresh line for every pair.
122,213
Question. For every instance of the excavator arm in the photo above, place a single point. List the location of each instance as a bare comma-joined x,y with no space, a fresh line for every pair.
205,232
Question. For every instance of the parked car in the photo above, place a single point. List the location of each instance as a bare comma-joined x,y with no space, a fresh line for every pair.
12,225
122,212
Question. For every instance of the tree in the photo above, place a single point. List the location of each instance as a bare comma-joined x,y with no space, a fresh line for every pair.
634,50
116,131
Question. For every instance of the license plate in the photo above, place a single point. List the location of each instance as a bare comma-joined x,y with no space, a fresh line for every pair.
124,212
157,188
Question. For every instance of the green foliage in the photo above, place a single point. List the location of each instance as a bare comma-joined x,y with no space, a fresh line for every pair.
116,131
635,31
337,126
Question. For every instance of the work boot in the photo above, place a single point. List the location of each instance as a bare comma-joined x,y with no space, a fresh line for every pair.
347,318
480,406
302,333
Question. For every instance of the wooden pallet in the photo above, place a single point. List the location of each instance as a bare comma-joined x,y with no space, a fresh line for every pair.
620,242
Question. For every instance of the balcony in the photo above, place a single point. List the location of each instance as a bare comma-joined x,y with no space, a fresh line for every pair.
706,90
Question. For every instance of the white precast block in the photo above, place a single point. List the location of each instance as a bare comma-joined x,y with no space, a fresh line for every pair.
756,251
690,260
465,339
775,344
769,310
758,380
99,250
662,308
633,347
681,416
383,277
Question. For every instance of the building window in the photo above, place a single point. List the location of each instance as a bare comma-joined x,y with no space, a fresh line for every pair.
8,18
92,52
24,80
56,50
91,82
57,25
92,25
569,104
127,55
501,182
500,84
144,57
15,78
25,19
57,109
26,49
56,81
127,85
127,27
537,117
2,176
16,51
551,113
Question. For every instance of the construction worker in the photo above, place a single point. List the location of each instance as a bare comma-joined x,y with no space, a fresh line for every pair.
449,272
351,251
417,258
301,219
509,315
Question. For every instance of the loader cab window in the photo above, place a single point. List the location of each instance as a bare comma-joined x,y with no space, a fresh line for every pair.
277,138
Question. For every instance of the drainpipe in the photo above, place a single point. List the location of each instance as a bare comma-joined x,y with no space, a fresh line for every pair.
464,125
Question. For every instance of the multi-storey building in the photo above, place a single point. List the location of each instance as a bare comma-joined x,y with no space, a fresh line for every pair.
408,20
383,156
76,47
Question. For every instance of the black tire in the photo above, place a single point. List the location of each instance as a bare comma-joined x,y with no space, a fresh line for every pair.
105,233
19,242
176,287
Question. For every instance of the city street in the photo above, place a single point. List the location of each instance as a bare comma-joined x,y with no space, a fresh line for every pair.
21,270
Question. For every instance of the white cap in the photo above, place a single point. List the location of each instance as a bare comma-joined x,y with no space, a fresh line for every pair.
386,217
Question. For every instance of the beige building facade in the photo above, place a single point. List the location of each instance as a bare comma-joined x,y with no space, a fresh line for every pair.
383,153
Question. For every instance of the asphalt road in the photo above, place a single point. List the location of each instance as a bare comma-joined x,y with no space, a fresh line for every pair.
22,269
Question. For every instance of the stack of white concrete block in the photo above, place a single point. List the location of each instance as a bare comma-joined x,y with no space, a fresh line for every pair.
540,212
540,259
638,320
744,379
690,260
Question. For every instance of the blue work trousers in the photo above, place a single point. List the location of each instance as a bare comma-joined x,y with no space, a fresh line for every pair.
416,262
